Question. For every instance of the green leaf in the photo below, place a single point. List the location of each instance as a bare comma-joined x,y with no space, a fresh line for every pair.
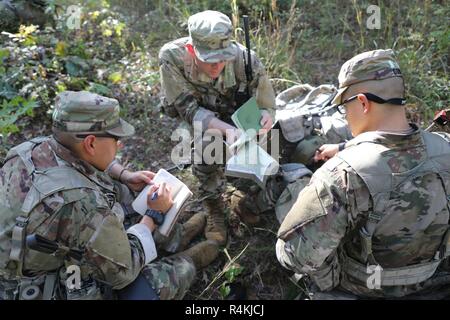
115,77
72,69
107,32
118,28
76,84
99,89
224,290
75,66
60,87
4,53
10,111
60,49
7,127
29,41
233,272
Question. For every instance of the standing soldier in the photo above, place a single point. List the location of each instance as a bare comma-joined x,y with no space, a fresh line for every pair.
373,222
204,82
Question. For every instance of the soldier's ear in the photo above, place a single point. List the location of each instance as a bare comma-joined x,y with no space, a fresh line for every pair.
365,102
89,145
190,49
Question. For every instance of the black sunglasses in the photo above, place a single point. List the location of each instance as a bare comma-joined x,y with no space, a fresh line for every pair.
372,97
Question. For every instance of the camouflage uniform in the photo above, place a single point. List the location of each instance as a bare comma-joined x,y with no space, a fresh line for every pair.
46,190
196,98
389,208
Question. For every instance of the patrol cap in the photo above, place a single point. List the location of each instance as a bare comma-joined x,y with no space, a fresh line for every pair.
370,65
210,33
89,113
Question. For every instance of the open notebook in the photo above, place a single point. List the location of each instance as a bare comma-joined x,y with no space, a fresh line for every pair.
249,161
180,195
252,162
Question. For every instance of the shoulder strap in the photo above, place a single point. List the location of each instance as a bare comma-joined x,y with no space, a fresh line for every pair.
24,151
438,149
364,156
436,144
45,183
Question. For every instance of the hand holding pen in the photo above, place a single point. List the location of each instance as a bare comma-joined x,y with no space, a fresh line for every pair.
159,197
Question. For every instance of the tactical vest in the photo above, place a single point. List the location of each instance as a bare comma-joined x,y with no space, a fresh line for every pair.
44,184
381,183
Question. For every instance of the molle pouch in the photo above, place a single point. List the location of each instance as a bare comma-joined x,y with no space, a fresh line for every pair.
108,241
288,197
327,278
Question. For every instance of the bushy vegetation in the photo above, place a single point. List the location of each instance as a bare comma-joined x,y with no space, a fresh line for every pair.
299,41
114,53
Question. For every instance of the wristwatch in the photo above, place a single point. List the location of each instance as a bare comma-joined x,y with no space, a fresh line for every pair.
157,216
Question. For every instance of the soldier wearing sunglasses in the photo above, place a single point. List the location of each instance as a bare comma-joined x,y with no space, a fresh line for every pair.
373,222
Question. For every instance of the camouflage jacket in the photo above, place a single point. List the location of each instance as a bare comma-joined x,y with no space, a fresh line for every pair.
196,97
321,232
88,218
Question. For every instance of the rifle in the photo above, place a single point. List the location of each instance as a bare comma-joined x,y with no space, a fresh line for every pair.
248,63
41,244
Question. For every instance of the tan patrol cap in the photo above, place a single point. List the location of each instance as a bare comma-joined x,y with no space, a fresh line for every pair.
89,113
370,65
210,33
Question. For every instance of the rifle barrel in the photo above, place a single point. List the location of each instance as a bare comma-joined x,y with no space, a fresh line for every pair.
247,44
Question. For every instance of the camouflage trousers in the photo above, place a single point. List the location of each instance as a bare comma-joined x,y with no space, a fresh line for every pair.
211,176
170,277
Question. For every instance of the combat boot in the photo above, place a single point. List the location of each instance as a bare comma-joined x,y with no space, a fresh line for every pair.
202,254
245,207
192,228
215,225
